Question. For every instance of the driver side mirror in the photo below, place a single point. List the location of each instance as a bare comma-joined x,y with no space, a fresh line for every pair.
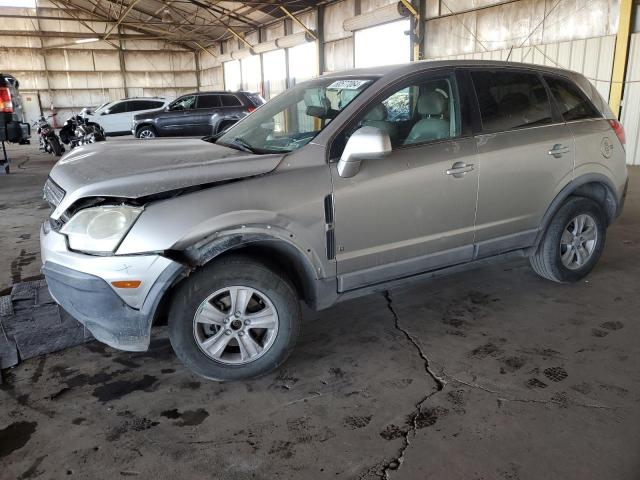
364,144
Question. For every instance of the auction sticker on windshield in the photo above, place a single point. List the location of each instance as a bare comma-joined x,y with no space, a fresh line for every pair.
347,84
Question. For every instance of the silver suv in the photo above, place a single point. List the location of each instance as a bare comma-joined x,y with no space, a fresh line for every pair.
341,186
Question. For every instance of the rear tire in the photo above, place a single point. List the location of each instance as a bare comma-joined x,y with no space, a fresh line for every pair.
573,242
146,132
234,319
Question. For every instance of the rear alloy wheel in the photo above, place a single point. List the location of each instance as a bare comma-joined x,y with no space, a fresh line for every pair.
146,133
234,319
573,242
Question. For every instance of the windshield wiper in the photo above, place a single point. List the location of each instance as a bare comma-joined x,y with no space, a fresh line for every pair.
243,143
239,143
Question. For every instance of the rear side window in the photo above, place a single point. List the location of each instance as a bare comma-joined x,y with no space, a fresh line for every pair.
138,105
208,101
573,104
230,101
510,100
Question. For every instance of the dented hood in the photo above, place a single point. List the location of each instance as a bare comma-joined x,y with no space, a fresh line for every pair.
137,168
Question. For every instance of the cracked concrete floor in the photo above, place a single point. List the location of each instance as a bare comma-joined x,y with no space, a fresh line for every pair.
490,374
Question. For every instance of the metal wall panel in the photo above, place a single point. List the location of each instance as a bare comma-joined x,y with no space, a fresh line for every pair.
339,55
211,79
592,57
518,24
369,5
307,18
631,102
334,16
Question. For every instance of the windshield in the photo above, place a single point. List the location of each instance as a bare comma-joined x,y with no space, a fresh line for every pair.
294,118
100,108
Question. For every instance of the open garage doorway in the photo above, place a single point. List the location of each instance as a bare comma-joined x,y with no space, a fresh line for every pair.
383,45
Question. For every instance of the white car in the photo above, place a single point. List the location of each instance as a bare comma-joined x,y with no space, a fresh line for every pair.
116,117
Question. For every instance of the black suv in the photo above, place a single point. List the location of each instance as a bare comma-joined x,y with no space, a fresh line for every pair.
202,113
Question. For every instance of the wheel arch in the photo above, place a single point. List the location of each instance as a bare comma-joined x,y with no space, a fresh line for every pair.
298,265
594,186
146,124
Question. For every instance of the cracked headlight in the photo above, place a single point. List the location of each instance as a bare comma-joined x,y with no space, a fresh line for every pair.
100,229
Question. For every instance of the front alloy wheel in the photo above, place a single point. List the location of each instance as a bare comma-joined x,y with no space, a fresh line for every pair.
146,133
235,318
235,325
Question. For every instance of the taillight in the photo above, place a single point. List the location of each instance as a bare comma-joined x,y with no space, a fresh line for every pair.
6,105
251,109
617,127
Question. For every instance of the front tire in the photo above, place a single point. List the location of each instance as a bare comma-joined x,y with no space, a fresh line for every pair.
146,132
55,146
234,319
573,242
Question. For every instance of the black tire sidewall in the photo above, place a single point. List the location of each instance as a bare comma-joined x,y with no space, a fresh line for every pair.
551,245
201,284
55,146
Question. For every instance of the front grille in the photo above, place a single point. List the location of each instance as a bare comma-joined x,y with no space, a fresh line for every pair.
52,193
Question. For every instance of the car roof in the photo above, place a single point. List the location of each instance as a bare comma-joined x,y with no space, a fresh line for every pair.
139,98
407,68
221,92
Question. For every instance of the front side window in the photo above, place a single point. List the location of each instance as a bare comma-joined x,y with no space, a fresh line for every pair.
295,117
427,110
183,103
572,103
510,100
117,108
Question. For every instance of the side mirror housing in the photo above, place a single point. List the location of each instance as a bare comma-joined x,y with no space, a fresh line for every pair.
365,143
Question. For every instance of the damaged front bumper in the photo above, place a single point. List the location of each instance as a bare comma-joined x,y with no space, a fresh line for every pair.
81,284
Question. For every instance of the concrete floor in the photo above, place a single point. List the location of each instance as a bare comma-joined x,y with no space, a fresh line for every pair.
490,374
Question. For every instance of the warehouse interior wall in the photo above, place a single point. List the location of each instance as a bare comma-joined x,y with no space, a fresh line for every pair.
75,76
573,34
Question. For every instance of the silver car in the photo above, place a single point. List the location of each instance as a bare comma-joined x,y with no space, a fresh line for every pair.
343,185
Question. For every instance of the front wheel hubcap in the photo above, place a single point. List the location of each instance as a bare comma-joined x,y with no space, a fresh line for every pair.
578,241
235,325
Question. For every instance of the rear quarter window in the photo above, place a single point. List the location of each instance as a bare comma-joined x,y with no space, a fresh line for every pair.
510,100
572,102
230,101
256,99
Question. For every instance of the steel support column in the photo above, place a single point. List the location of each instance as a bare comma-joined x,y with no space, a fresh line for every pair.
621,56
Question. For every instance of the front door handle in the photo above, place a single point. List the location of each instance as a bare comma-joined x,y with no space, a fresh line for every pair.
558,150
459,169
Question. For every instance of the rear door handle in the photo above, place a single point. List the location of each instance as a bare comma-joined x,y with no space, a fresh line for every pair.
558,150
459,169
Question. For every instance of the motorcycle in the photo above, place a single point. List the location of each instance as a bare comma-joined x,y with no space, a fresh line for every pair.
78,130
48,140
